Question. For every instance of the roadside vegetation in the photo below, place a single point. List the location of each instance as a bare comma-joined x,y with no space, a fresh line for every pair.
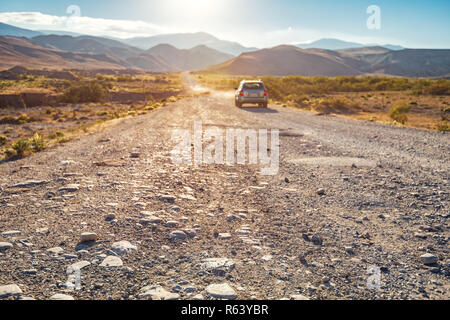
38,112
420,103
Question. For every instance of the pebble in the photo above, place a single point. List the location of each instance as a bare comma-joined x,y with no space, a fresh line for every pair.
321,192
88,236
157,293
80,265
221,291
110,216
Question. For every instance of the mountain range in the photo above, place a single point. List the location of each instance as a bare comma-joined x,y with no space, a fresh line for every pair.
291,60
201,51
336,44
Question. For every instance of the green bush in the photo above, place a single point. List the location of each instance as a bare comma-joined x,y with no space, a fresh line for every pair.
399,112
92,91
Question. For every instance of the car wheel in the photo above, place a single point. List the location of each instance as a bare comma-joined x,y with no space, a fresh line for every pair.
265,105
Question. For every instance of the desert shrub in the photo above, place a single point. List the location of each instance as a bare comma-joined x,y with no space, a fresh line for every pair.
21,147
441,87
92,91
443,126
3,139
37,142
333,105
399,112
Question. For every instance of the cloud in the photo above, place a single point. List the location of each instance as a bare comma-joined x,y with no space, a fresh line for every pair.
81,24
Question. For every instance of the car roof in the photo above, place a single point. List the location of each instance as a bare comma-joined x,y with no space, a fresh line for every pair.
253,81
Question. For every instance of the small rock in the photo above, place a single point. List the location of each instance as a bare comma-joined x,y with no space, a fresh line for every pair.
299,297
88,236
428,258
110,216
5,246
123,247
70,188
61,296
178,234
221,291
157,293
11,233
321,192
111,262
224,236
55,250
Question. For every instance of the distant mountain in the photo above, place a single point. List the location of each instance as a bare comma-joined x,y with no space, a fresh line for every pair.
196,58
285,60
408,63
290,60
60,33
336,44
87,44
9,30
188,41
21,52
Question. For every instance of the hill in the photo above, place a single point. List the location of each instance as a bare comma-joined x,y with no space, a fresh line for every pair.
21,52
9,30
286,60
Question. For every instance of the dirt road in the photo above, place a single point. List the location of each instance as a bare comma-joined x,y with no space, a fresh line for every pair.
352,201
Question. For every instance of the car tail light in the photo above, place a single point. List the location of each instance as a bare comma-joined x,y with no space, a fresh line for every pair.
265,93
241,93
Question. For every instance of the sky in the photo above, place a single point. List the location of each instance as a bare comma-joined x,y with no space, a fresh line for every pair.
259,23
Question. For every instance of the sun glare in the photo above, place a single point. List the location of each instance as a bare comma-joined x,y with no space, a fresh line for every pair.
195,9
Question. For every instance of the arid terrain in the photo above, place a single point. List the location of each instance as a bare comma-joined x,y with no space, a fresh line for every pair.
351,199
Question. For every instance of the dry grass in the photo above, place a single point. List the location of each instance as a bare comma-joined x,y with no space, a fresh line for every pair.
418,103
82,106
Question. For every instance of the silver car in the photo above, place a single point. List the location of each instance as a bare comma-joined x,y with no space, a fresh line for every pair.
251,92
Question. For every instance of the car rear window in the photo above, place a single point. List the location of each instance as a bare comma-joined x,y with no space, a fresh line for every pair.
253,85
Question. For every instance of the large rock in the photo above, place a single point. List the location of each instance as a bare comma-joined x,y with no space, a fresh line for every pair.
10,290
111,262
221,291
123,247
157,293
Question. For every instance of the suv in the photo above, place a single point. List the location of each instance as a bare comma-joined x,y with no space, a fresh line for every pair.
251,92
